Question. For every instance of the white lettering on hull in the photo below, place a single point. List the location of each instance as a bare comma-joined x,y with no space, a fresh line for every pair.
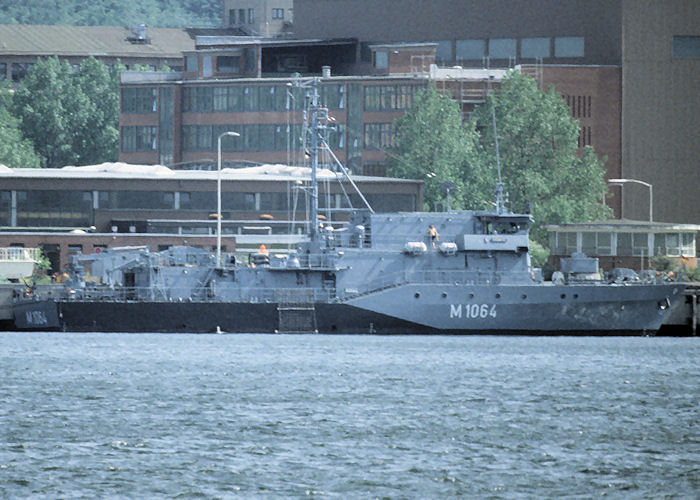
473,311
36,318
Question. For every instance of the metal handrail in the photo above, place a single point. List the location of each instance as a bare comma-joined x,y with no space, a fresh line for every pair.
17,254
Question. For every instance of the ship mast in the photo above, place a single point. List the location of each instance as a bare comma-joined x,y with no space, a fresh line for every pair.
319,116
316,127
500,204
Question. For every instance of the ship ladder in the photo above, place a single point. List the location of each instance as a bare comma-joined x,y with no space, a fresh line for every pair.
296,311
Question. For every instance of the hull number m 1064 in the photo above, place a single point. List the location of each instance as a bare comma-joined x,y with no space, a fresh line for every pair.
472,311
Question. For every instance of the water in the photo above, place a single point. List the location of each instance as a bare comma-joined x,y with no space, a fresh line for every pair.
265,416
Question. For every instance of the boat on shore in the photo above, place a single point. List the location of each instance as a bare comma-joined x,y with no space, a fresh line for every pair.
453,272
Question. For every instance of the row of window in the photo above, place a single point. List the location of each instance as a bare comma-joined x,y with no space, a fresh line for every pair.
17,70
379,136
507,48
139,138
579,105
253,137
623,244
238,98
138,100
245,16
390,97
47,208
235,98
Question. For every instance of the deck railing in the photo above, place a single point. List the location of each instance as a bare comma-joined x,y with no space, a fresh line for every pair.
16,254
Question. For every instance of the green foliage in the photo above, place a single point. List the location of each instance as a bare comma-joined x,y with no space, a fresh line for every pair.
541,165
538,254
185,13
539,155
681,271
15,150
662,263
70,116
432,145
41,268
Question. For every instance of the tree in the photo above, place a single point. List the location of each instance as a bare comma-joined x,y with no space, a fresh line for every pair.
70,116
540,161
432,145
15,150
98,139
48,104
185,13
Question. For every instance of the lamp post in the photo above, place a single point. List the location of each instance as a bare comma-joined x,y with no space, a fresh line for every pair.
620,182
218,195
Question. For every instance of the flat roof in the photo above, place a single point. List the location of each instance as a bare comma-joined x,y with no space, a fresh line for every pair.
621,226
271,172
112,41
238,41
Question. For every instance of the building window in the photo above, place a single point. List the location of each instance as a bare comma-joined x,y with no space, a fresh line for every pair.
674,244
139,100
207,69
389,97
19,70
470,49
579,105
564,243
251,16
624,244
44,208
277,13
502,48
535,47
136,138
231,17
272,98
686,47
131,200
569,46
379,136
444,51
584,137
596,243
381,59
333,96
228,64
5,208
3,71
191,64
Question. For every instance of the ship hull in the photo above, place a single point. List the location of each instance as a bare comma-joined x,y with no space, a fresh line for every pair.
408,309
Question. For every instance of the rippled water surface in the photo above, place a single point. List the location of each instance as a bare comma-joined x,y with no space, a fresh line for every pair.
222,416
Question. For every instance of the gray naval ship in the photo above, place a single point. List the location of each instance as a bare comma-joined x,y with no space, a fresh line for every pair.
453,272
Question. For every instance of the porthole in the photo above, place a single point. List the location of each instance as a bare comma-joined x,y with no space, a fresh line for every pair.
444,295
524,296
498,295
417,295
471,295
576,295
563,295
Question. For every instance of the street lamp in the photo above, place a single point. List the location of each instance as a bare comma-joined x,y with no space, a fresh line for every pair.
218,196
620,182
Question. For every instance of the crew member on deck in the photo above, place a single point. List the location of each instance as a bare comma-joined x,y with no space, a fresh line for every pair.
434,236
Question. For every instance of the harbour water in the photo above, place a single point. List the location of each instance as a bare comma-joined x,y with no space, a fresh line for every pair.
269,416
